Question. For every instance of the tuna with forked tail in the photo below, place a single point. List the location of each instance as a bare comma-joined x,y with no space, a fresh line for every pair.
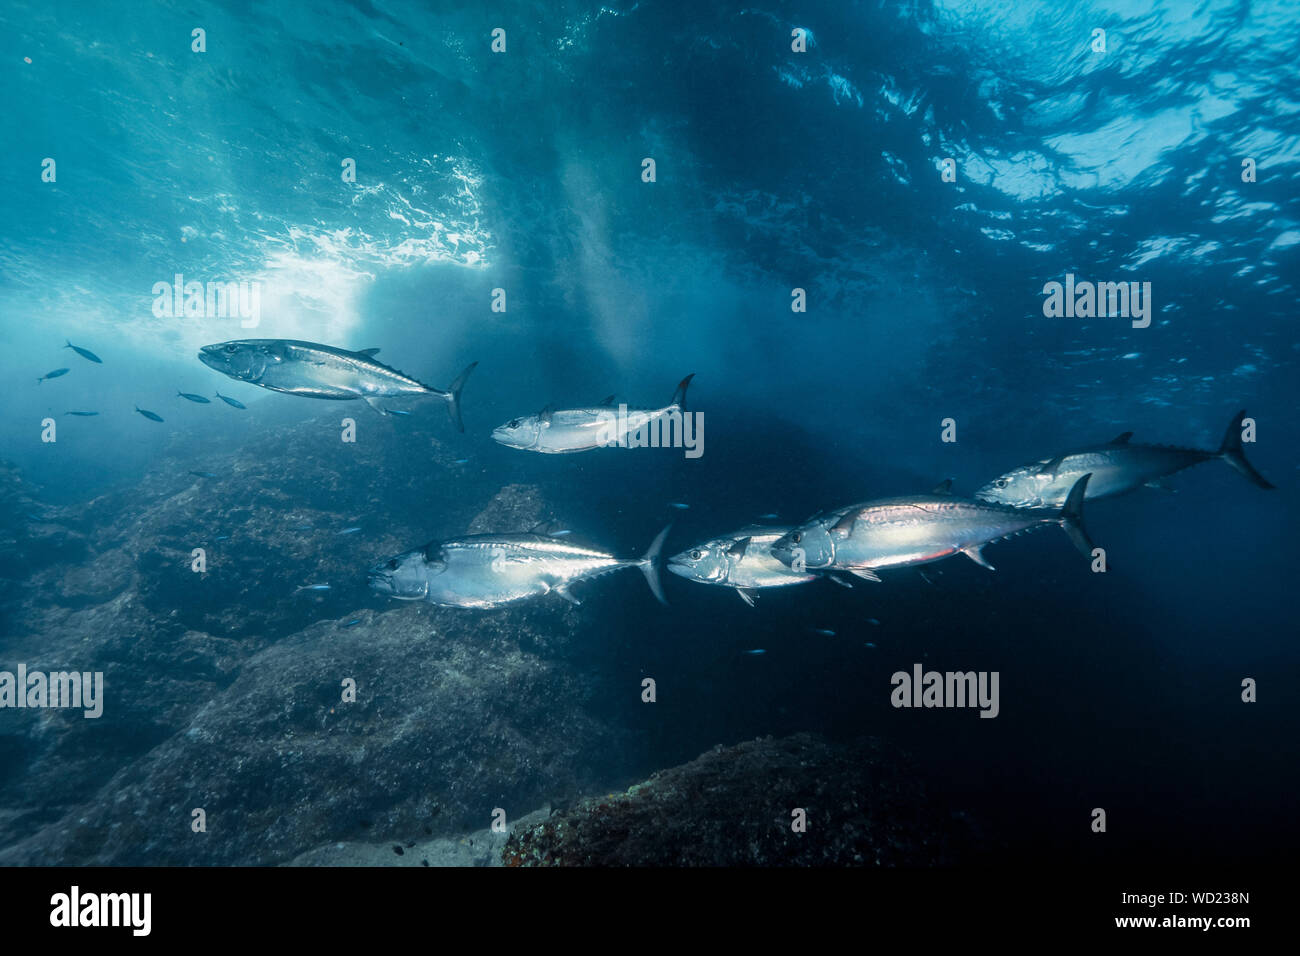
566,430
322,371
918,529
742,560
1117,467
492,570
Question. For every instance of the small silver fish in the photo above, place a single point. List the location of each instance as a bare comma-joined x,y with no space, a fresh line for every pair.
55,374
148,414
313,587
396,411
348,531
82,414
233,403
823,631
198,399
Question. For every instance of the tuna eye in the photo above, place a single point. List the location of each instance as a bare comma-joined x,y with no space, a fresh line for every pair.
513,424
231,350
1001,483
796,537
392,564
695,555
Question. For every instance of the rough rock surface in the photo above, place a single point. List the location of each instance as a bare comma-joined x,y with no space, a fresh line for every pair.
734,806
224,688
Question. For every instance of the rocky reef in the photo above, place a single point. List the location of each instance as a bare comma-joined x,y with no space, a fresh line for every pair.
224,687
738,806
225,680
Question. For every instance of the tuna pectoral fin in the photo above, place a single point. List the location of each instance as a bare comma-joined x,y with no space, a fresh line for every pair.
1232,453
866,574
649,565
747,596
375,403
976,555
1072,517
453,396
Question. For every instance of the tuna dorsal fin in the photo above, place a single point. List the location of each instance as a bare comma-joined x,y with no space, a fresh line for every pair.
738,549
943,488
607,400
370,352
1052,467
1121,439
544,415
679,396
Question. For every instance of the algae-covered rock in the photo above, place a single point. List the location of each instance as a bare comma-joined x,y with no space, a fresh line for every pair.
797,800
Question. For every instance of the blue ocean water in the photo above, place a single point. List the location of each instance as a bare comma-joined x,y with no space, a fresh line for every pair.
775,171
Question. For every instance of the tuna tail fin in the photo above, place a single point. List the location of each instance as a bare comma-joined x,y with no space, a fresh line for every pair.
1231,452
1072,517
679,396
453,395
649,565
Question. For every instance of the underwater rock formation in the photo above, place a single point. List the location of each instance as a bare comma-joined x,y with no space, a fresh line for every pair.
224,687
734,806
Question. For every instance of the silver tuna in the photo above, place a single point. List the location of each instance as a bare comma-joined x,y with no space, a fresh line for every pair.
322,371
561,431
1116,468
491,570
742,561
918,529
